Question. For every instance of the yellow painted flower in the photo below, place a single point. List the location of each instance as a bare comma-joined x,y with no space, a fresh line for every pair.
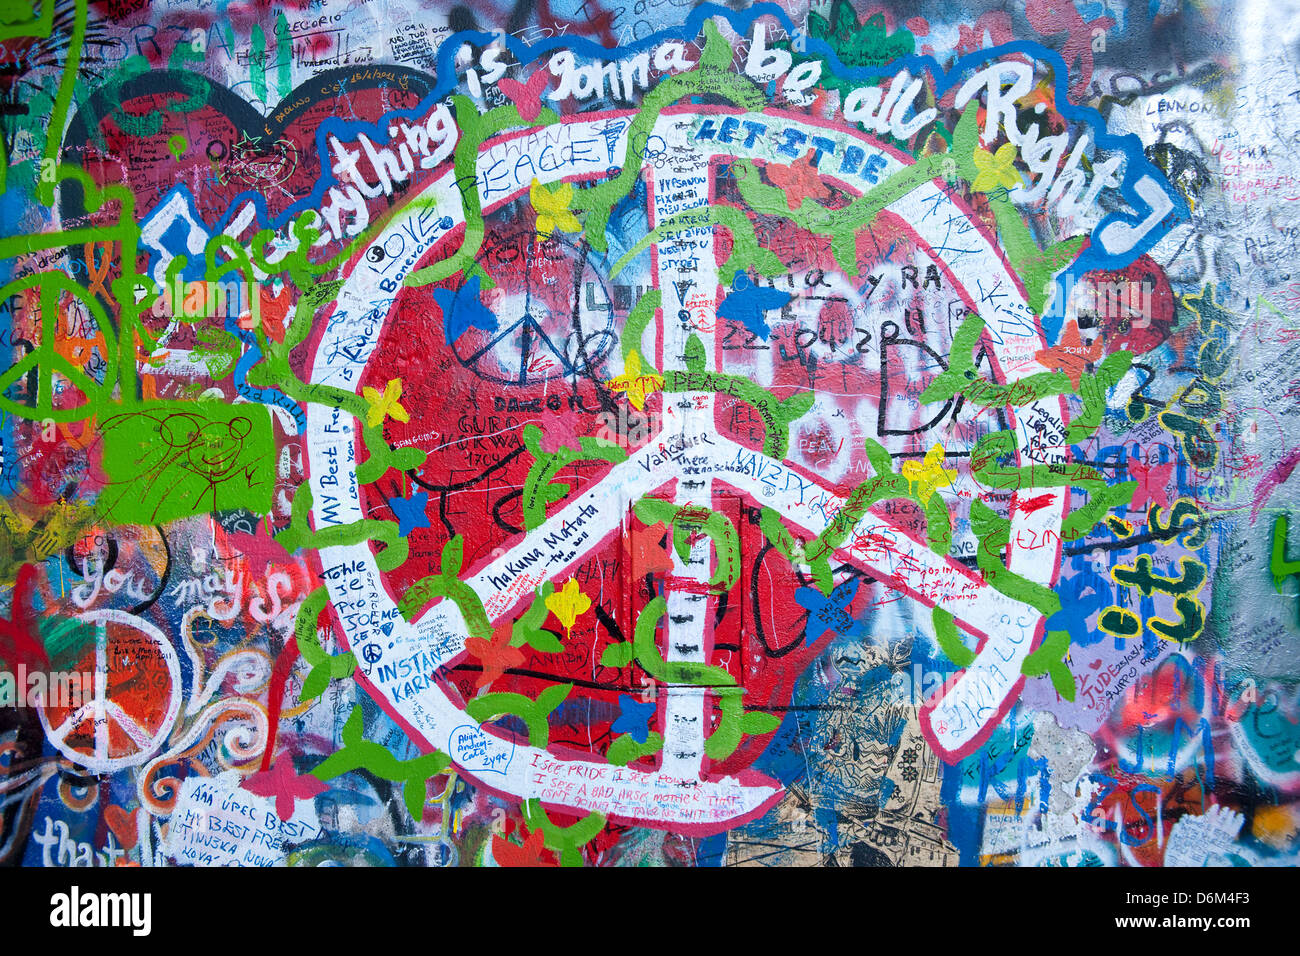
567,603
553,209
928,475
637,385
996,169
387,404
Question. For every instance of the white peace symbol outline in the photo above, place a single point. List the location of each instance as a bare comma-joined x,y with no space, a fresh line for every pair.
955,722
100,709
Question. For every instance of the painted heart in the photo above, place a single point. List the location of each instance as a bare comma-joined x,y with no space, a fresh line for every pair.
179,127
123,825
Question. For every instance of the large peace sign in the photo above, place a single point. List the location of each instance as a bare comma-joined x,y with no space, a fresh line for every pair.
690,461
134,702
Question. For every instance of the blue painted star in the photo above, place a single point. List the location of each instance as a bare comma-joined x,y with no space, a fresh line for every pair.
463,308
410,512
634,718
747,304
827,614
1082,594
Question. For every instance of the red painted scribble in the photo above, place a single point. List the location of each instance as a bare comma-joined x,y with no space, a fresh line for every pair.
1152,483
1028,506
1276,476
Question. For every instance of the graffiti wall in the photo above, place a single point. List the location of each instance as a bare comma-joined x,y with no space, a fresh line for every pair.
608,433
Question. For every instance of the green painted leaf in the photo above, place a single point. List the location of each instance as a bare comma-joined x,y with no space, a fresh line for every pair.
617,655
756,723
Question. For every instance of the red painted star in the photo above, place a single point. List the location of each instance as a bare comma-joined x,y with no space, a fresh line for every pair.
1028,506
1070,355
286,786
496,655
532,853
647,551
1152,483
527,97
798,180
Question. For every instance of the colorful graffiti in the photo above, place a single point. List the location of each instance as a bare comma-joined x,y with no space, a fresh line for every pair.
582,434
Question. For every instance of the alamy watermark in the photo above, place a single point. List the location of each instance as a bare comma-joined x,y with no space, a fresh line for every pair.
197,300
74,909
1127,301
46,688
627,428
